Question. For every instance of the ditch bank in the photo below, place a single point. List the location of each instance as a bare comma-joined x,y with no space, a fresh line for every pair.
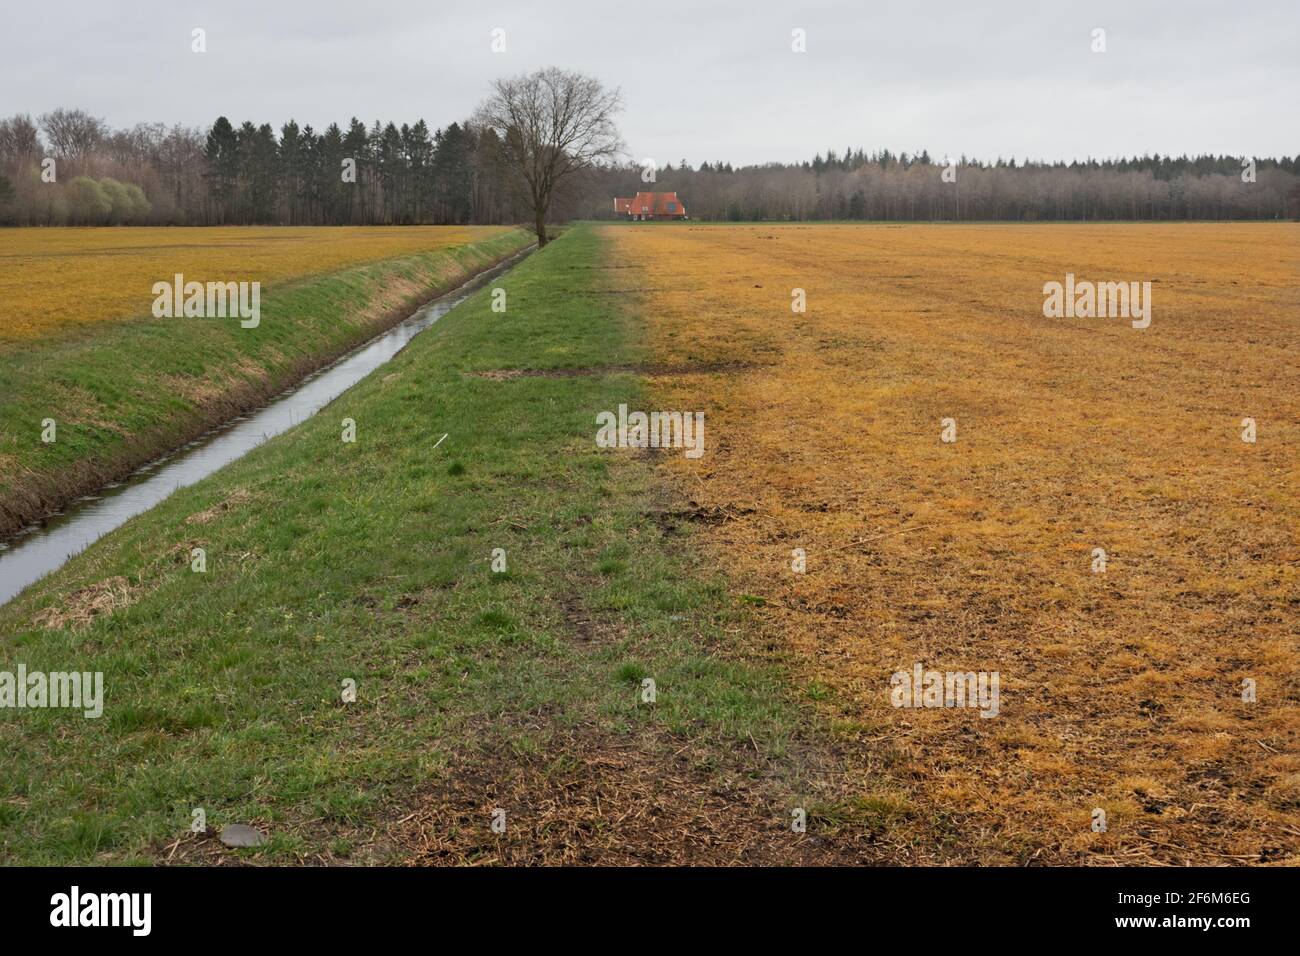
131,393
33,554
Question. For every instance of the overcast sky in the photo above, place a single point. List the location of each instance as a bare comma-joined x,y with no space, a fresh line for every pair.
703,79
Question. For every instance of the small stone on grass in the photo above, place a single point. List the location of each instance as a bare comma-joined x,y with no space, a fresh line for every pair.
238,834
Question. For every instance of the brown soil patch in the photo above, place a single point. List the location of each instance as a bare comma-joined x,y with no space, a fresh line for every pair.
590,800
602,802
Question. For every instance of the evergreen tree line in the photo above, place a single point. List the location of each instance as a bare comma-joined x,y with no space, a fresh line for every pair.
389,174
384,174
250,174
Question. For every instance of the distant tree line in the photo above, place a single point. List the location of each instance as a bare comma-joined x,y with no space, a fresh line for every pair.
69,168
249,174
888,186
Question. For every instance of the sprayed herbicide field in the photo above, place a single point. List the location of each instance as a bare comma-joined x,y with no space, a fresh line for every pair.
1022,502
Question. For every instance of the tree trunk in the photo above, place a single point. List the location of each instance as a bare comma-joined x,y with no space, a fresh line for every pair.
541,226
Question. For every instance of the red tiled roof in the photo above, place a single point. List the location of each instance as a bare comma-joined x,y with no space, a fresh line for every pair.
651,204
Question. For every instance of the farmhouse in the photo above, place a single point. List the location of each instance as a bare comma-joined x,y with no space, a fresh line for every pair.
651,206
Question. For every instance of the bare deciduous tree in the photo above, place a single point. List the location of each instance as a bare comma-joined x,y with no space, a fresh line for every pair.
19,141
72,134
553,124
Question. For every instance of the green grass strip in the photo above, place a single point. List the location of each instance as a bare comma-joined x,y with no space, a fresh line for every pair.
371,561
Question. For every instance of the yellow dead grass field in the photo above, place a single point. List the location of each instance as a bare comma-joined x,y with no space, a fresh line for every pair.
55,277
1120,691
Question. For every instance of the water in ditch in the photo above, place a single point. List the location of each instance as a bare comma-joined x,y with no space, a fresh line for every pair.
36,552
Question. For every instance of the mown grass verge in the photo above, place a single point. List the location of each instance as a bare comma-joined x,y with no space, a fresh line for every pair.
122,393
371,561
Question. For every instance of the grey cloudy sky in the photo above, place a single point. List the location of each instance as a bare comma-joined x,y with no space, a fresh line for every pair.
703,79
